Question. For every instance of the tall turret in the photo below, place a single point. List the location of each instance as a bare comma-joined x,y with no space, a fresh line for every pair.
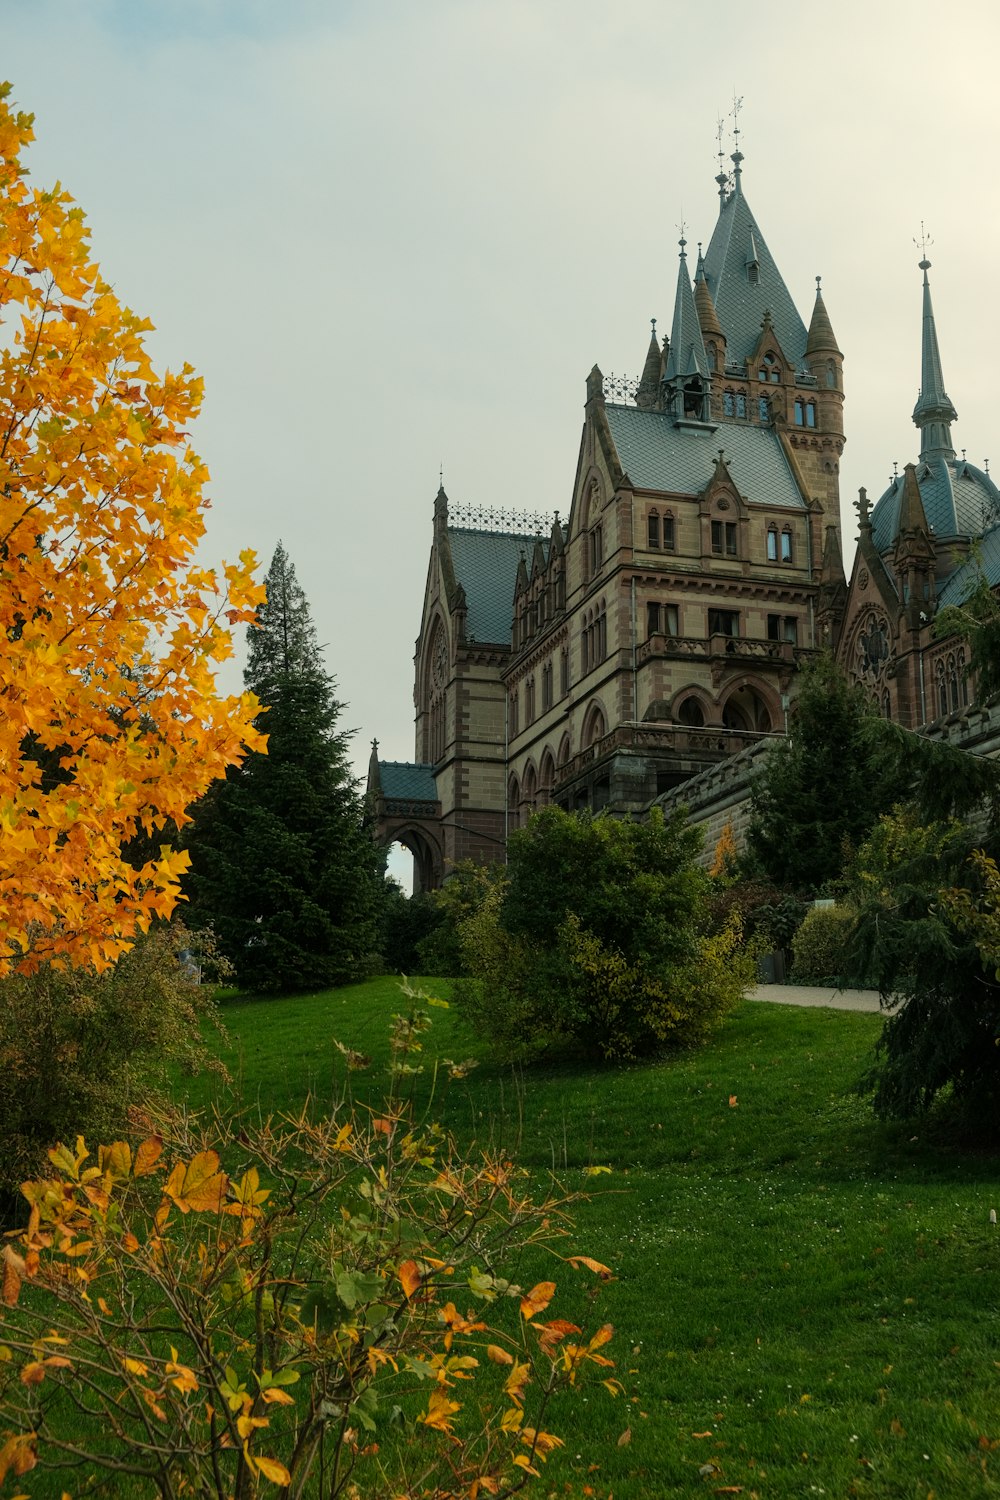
686,376
934,412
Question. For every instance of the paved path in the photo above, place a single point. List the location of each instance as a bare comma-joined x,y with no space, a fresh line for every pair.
806,994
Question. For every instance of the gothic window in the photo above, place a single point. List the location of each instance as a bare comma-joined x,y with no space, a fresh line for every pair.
729,403
563,672
783,628
763,409
668,533
724,538
786,545
547,686
952,683
513,716
713,356
769,370
963,681
596,550
653,529
741,404
800,412
886,705
601,633
831,375
724,622
513,802
694,398
810,414
652,619
772,544
941,688
691,713
529,701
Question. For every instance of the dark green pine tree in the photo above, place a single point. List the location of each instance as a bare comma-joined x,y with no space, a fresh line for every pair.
824,788
282,867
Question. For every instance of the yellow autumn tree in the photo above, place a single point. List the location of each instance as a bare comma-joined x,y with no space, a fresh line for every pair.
110,722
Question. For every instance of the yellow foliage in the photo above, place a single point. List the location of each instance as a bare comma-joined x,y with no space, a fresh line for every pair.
111,633
725,851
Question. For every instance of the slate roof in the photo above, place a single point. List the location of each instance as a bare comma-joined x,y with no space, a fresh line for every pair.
657,454
486,566
958,500
739,303
403,781
964,579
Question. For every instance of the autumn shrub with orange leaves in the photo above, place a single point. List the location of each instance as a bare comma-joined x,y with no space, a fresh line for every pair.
310,1307
110,724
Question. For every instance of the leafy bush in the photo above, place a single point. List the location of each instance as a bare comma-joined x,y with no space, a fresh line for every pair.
819,947
926,921
463,893
324,1305
769,917
407,923
600,942
78,1049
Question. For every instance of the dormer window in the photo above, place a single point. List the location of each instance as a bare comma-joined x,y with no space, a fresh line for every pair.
753,272
769,370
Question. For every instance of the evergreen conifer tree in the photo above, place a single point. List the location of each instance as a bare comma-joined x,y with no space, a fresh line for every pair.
282,867
823,788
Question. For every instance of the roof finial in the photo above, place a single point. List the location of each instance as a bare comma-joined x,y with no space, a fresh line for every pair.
653,322
924,241
819,285
895,468
722,177
737,155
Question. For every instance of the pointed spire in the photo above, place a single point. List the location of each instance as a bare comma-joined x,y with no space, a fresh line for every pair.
708,318
821,338
912,516
933,413
832,566
687,357
648,392
736,159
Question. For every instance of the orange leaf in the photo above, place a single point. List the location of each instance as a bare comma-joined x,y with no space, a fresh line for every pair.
603,1336
625,1438
498,1356
147,1157
409,1275
273,1470
702,1434
13,1274
551,1334
604,1272
733,1101
275,1393
33,1374
538,1299
18,1454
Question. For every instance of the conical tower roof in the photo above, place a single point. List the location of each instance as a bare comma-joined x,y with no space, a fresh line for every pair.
687,355
744,280
934,412
707,315
821,338
649,385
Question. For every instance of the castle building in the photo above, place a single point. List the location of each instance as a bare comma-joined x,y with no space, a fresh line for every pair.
925,544
600,660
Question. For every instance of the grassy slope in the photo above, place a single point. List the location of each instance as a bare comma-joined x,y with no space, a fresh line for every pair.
805,1300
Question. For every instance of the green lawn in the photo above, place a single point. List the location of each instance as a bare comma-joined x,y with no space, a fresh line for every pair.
805,1300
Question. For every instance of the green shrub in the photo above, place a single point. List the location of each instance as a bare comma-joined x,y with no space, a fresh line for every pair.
600,942
819,947
79,1051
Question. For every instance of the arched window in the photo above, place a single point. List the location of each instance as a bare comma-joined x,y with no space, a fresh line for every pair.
653,529
786,544
691,713
529,701
713,355
513,802
763,409
729,403
563,672
800,412
886,705
772,544
668,533
585,644
952,682
741,404
810,414
963,681
831,375
513,715
769,370
941,687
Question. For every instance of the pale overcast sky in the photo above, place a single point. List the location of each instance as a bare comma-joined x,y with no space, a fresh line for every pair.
395,235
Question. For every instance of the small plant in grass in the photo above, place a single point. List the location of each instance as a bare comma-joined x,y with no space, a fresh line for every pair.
325,1306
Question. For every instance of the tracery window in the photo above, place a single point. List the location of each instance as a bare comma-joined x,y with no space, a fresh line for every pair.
653,529
786,544
769,370
772,544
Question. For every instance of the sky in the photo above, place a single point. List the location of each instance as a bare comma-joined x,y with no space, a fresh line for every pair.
393,236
